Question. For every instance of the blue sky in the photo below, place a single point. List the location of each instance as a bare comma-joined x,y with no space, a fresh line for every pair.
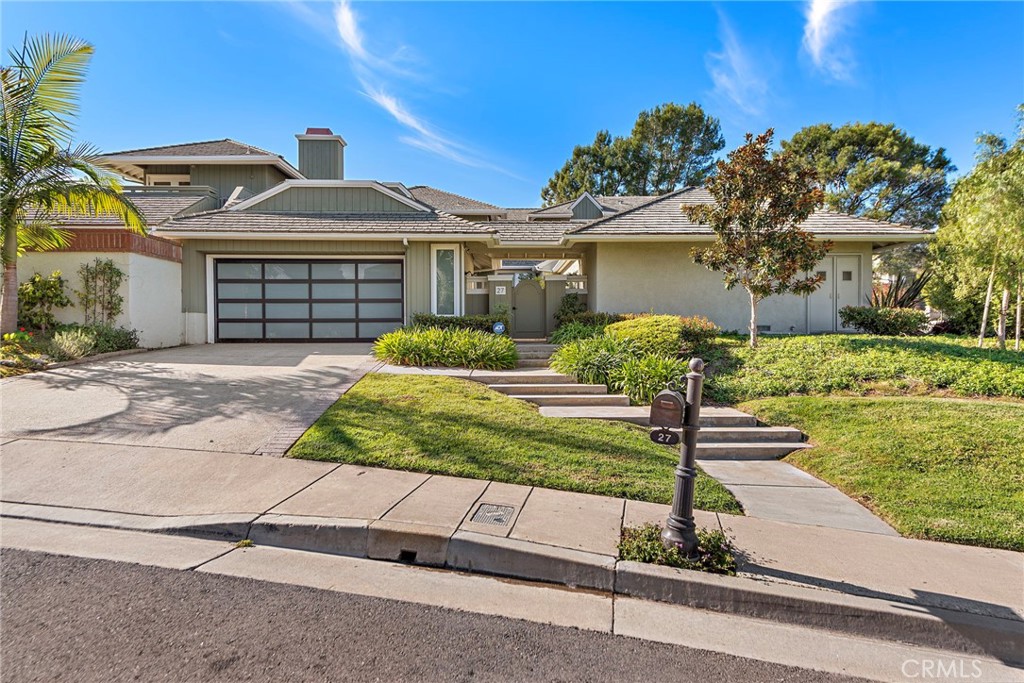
488,99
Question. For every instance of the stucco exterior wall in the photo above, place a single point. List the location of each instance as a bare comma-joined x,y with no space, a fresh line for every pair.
151,291
662,277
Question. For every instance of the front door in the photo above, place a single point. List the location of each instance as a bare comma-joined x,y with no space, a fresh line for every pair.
847,279
841,287
528,310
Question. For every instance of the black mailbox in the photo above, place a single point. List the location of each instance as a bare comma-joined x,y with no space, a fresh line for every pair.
667,409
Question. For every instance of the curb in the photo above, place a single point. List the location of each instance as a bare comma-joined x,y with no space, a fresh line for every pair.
881,619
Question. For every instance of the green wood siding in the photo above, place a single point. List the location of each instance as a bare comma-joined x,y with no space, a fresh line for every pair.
254,177
587,210
331,200
322,159
193,261
417,278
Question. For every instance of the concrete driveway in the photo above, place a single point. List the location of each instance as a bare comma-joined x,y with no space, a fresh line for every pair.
237,398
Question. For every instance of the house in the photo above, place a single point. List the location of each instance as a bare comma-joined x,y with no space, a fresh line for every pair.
244,246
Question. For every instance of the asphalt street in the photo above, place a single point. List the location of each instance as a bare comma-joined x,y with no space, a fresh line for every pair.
74,619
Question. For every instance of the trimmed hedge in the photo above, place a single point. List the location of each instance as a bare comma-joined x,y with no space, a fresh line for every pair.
483,323
451,348
894,322
665,335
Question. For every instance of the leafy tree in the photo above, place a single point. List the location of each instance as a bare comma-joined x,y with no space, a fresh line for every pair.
980,243
670,146
760,202
41,175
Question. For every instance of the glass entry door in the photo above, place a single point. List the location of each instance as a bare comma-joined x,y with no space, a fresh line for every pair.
293,300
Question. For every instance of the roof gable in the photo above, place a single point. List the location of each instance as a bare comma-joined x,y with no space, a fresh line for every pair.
330,197
451,202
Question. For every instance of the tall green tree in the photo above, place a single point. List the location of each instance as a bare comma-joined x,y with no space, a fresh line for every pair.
760,201
670,146
879,171
980,242
43,174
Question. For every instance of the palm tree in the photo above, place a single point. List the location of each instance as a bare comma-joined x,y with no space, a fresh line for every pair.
42,175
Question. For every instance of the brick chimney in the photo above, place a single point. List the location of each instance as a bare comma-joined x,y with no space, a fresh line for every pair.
321,154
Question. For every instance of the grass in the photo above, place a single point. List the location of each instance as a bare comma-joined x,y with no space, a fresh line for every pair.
445,425
940,469
861,365
715,553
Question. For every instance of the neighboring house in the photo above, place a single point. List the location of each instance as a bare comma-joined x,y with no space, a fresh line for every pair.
245,247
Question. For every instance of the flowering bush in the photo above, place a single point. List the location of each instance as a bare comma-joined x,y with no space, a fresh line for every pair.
19,337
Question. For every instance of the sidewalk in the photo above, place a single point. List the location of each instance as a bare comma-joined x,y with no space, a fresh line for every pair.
936,594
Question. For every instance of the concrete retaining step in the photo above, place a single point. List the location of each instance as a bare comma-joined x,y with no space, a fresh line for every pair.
746,451
523,376
574,400
535,389
749,435
532,362
530,346
709,416
534,355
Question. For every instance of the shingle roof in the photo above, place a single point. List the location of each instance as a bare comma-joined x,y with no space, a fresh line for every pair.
530,231
252,222
207,148
449,201
608,203
156,208
664,216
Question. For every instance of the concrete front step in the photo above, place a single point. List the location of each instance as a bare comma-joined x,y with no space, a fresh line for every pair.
523,376
532,362
746,451
749,435
534,355
534,389
574,400
547,348
709,416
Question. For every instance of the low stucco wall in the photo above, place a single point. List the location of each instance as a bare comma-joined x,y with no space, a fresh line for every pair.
661,277
151,291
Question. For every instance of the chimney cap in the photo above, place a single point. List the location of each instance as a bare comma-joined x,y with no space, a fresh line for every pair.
321,134
319,131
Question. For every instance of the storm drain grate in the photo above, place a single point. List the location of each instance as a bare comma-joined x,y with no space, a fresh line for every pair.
495,515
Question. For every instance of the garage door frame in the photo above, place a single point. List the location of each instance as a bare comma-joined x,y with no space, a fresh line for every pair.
211,285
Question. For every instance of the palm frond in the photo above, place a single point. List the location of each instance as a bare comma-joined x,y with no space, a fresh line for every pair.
37,235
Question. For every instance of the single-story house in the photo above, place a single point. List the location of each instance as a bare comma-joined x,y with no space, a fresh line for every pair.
244,246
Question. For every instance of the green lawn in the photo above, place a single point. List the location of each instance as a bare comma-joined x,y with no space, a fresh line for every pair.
444,425
940,469
861,364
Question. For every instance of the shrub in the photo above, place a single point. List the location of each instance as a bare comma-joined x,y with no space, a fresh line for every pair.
108,338
697,333
570,306
642,378
595,318
591,361
452,347
72,344
884,321
37,297
575,330
483,323
643,544
100,296
652,334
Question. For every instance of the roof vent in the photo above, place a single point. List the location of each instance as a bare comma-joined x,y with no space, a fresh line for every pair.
321,154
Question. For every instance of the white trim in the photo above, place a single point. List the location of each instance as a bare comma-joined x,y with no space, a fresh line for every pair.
211,297
457,277
586,195
576,238
175,179
336,137
339,236
501,278
288,184
229,159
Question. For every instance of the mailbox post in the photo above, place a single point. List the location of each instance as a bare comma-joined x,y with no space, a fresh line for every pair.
680,529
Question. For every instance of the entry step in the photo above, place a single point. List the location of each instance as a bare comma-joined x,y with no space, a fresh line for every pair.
746,451
709,416
534,389
574,400
521,376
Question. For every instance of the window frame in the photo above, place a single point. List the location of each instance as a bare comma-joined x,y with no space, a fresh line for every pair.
456,276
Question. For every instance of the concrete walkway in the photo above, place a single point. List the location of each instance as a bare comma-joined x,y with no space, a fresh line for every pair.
240,398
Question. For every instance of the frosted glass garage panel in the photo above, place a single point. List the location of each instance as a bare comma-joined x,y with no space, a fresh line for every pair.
286,271
334,330
334,271
239,290
334,290
287,290
287,330
246,311
380,271
240,330
380,290
373,330
240,271
369,310
295,311
321,311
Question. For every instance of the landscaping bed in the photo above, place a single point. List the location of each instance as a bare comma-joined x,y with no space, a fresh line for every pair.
445,425
940,469
27,351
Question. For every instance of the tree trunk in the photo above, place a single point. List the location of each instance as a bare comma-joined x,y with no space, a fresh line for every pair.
1020,309
9,298
753,321
988,299
1004,310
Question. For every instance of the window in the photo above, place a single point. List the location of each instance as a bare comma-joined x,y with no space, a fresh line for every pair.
823,275
168,179
847,276
445,287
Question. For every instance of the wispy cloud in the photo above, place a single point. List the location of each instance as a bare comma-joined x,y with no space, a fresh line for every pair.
735,74
826,20
380,77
